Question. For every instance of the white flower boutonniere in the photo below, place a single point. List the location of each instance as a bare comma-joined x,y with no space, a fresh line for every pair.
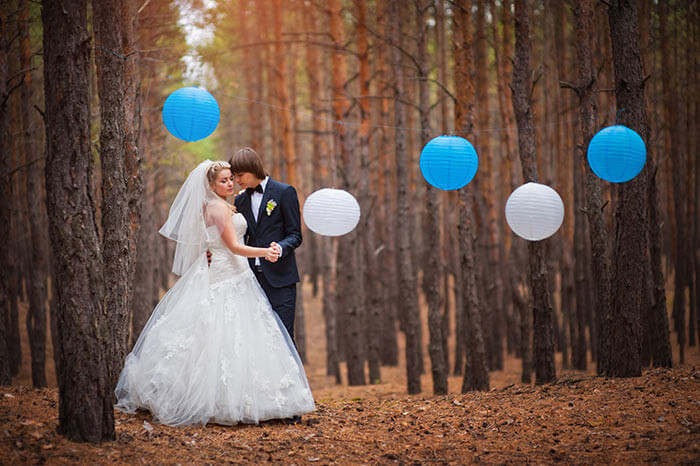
270,206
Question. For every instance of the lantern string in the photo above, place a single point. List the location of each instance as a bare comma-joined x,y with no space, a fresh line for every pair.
334,164
617,115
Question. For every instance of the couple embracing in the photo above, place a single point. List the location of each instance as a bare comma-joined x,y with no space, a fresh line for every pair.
219,347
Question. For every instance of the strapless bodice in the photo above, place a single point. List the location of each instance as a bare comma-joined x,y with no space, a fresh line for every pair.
225,264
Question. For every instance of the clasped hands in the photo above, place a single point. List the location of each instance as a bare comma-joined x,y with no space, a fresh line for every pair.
273,252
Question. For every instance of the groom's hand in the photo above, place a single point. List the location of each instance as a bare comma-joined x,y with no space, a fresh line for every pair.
275,252
271,254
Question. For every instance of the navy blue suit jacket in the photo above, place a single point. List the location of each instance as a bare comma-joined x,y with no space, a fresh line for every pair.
282,226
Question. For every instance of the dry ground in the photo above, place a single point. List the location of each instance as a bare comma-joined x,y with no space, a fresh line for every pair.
579,419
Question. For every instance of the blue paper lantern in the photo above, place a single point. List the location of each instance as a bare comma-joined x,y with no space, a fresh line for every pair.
617,154
448,162
191,113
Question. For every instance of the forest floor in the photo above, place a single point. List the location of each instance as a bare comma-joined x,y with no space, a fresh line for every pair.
579,419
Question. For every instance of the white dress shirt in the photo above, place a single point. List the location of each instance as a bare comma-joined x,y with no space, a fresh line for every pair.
255,201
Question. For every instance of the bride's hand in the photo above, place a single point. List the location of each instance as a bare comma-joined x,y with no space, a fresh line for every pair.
271,254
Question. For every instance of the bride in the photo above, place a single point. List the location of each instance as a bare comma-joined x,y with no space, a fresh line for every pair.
213,350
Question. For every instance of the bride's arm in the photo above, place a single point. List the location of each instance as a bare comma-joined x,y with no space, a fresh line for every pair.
228,235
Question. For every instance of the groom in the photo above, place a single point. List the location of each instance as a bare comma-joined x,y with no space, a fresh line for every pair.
272,211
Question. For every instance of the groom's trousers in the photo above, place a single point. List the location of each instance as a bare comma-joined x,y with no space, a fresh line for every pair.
283,300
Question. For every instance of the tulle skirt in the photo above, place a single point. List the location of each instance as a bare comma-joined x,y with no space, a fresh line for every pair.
214,352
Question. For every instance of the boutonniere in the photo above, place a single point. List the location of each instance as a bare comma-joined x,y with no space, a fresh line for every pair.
270,206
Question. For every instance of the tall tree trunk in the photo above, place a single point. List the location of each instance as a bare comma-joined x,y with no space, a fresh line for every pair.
694,134
671,148
432,271
387,188
85,411
655,314
36,314
408,296
251,62
284,114
503,57
5,199
593,188
367,203
621,340
441,64
329,274
476,376
117,145
494,290
350,283
537,272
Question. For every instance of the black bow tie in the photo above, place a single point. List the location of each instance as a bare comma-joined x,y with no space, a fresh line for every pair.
250,191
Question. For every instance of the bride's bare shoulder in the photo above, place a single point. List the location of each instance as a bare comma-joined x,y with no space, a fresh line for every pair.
220,206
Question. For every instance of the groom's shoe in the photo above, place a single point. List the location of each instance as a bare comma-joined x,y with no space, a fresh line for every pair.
292,420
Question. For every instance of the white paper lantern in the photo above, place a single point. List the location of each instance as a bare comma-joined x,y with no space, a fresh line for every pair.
331,212
534,211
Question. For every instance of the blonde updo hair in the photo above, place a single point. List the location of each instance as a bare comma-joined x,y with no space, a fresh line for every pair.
215,168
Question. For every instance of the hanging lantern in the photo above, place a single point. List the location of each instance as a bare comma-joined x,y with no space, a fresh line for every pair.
534,211
617,154
191,113
448,162
331,212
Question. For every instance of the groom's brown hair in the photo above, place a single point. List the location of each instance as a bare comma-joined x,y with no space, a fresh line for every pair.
247,160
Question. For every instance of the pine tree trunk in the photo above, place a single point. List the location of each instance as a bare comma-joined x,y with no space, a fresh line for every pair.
280,86
5,200
387,188
537,271
350,288
671,146
329,274
494,291
367,199
432,271
117,145
476,376
440,62
37,292
85,410
592,187
621,339
408,296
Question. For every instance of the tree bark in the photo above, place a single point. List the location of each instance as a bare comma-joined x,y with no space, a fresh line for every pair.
671,146
37,285
408,296
476,376
85,411
118,148
280,85
432,272
537,271
5,199
489,159
251,62
621,340
387,189
593,189
367,203
350,284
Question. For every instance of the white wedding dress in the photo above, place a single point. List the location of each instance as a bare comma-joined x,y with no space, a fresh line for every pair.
214,350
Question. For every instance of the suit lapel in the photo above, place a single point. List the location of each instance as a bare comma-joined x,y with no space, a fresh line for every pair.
246,209
266,197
